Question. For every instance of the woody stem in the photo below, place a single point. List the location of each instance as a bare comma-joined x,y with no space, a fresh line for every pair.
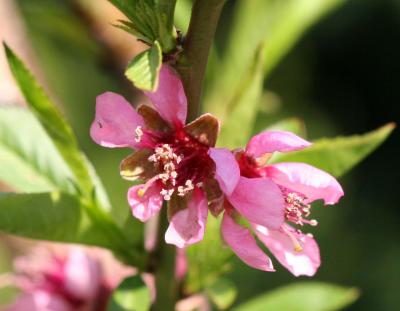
192,64
164,257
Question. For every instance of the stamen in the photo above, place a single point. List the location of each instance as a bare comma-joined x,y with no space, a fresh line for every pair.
296,210
296,244
167,193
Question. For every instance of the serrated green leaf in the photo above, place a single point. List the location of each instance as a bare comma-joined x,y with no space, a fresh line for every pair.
304,296
151,19
338,155
294,125
144,69
29,160
222,293
133,30
243,108
131,295
51,120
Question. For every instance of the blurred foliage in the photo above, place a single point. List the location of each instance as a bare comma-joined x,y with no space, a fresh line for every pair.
303,296
131,294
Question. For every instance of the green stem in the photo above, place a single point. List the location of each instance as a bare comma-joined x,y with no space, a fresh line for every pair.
196,49
191,66
163,262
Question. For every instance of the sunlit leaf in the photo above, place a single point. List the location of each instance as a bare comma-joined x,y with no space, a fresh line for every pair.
52,121
182,14
144,69
131,295
303,296
29,160
339,155
151,20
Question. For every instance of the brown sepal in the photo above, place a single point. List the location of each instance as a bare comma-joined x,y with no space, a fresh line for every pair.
205,129
215,197
152,119
176,204
137,166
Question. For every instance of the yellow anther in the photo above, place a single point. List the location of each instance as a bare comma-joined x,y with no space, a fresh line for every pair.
141,192
298,248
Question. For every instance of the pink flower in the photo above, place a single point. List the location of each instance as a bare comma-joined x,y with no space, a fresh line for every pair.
65,279
171,158
268,196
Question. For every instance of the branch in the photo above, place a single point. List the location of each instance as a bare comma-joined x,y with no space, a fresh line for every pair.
193,62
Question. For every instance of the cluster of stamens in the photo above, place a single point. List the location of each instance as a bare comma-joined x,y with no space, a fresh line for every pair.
297,211
165,159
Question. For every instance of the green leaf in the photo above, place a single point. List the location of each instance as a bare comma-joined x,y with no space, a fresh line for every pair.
52,121
29,160
182,14
279,23
303,296
209,259
51,216
150,19
237,128
131,295
61,217
144,69
294,125
222,293
339,155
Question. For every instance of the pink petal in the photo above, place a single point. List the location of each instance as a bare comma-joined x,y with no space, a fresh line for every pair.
244,245
169,98
307,180
144,207
304,262
82,275
227,170
188,225
115,122
40,300
272,141
259,200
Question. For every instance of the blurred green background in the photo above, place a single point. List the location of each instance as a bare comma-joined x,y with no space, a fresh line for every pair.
340,78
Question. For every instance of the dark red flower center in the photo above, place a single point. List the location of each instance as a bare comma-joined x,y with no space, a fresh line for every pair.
182,163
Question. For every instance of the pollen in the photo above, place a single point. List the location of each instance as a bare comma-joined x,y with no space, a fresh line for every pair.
141,192
298,248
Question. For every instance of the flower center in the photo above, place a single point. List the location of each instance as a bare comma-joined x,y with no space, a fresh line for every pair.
182,164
